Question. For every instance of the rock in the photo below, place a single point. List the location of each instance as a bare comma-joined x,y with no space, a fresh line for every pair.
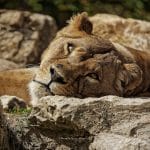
105,123
24,35
107,141
130,32
12,102
7,65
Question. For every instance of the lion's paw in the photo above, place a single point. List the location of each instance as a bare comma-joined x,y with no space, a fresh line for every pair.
12,102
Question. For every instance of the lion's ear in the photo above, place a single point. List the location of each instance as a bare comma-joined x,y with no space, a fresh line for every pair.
81,23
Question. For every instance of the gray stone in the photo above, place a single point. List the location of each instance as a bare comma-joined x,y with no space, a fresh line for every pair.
104,123
24,35
107,141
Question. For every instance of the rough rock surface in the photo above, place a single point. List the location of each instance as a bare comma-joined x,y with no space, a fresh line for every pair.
24,35
130,32
105,123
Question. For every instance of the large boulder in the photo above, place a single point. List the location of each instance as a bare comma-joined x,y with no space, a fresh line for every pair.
24,35
129,32
105,123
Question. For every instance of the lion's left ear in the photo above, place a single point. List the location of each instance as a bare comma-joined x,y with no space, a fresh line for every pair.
81,23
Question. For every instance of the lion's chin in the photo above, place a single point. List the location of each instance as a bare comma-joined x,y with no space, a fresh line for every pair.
56,88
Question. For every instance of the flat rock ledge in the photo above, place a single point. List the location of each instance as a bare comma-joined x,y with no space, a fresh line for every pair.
62,123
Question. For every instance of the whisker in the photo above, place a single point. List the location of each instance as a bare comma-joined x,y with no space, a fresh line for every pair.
44,84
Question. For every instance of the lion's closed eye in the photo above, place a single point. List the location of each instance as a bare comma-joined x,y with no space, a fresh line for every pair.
93,76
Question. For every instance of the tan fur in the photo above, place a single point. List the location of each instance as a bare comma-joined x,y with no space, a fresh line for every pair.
78,63
15,82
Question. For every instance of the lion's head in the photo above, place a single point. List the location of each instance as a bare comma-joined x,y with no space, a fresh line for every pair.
78,63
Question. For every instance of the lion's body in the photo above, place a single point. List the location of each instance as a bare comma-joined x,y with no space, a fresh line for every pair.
15,82
78,63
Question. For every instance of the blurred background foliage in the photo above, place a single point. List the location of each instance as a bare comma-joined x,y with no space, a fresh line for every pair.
61,10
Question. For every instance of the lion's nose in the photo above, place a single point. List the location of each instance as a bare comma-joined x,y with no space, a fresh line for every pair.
56,77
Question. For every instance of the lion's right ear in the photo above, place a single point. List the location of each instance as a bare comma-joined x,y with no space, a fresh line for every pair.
81,23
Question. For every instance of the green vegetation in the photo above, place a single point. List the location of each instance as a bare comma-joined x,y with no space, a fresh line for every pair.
63,9
20,111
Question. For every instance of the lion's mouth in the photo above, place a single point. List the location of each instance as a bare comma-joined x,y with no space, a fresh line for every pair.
44,85
58,80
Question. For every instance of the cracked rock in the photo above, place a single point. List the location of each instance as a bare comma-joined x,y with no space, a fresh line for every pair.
105,123
24,35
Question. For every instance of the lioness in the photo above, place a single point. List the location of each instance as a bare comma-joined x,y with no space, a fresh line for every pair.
80,64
